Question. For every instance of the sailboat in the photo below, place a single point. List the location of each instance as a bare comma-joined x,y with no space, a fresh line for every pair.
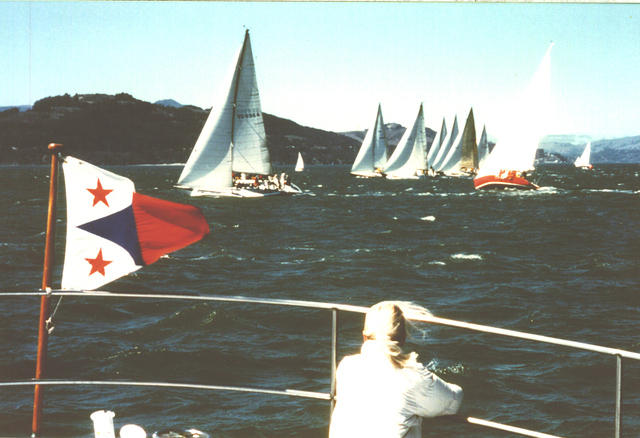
230,157
483,148
372,155
584,160
435,147
299,163
462,158
447,144
515,152
409,159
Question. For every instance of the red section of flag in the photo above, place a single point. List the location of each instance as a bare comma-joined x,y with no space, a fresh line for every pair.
165,226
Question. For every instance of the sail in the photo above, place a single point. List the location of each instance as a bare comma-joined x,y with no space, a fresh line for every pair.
528,123
437,144
250,153
483,148
409,157
299,163
447,143
463,154
233,136
584,160
469,161
373,151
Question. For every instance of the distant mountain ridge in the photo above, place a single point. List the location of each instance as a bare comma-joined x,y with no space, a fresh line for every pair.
168,102
120,129
618,150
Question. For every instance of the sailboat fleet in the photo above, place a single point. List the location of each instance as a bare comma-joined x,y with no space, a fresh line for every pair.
231,158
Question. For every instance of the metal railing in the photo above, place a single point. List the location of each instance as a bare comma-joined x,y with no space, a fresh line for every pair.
335,308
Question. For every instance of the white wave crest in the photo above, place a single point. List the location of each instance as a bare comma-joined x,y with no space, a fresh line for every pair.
461,256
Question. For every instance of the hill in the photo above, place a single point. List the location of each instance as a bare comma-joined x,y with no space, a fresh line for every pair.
120,129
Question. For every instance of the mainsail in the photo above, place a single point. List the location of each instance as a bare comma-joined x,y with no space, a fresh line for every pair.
462,157
447,143
409,158
299,163
233,138
483,148
372,155
437,144
584,160
529,117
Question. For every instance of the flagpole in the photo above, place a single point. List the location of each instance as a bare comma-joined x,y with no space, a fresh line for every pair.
49,252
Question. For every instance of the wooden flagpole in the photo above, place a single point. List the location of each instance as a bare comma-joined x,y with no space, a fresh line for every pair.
49,252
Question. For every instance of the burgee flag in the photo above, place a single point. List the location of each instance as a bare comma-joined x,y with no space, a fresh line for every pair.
113,231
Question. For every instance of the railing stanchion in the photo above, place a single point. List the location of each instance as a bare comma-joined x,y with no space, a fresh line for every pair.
334,355
618,427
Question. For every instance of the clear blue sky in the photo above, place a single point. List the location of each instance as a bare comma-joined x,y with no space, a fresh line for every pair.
327,65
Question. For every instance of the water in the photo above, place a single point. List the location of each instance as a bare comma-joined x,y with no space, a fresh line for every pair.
562,261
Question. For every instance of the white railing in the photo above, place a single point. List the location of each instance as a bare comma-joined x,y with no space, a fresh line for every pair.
335,309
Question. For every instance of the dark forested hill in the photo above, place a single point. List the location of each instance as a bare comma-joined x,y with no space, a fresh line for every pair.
120,129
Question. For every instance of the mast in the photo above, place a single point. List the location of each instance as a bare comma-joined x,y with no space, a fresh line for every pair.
235,91
49,252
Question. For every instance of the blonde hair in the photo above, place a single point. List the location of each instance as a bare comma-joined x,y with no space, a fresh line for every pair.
388,324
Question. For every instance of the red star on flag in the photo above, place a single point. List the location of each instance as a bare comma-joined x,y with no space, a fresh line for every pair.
100,194
98,264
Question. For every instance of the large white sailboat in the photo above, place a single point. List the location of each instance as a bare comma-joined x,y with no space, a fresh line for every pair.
372,156
584,160
409,159
230,157
514,153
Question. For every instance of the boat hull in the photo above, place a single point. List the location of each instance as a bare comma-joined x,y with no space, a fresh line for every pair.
235,192
508,181
367,174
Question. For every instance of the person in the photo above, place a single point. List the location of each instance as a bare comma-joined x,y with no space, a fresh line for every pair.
383,391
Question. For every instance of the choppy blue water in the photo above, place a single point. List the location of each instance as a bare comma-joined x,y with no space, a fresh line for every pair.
562,261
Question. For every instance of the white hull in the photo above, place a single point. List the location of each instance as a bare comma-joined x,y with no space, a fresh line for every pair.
402,177
367,174
235,192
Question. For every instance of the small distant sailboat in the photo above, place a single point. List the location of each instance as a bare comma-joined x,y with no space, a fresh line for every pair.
515,152
584,160
483,148
446,144
438,140
372,155
299,163
462,158
230,157
409,159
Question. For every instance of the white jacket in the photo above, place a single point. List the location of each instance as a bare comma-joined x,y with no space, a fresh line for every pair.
375,399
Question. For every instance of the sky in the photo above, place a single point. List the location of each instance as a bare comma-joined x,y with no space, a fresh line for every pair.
328,65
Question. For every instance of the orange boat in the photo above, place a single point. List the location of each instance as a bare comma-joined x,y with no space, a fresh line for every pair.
504,180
